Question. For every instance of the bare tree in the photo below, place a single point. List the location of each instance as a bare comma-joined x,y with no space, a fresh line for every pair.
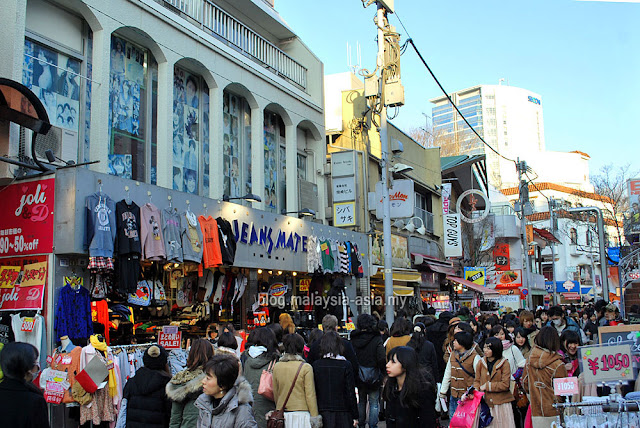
610,186
448,143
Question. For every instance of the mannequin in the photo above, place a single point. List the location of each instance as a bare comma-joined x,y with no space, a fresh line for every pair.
66,345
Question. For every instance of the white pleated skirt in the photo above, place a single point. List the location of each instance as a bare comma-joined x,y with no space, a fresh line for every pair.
297,420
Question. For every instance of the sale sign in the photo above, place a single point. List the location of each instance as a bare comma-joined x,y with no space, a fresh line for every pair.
304,284
565,386
15,297
27,218
170,337
34,274
9,275
606,363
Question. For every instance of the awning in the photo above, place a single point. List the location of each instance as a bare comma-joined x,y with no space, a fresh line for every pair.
434,264
473,286
399,274
571,296
546,235
398,290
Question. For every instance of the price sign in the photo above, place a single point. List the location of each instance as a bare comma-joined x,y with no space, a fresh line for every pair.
565,386
27,324
350,326
304,284
170,337
53,392
606,363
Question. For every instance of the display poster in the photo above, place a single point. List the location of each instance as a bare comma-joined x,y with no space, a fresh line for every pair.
170,337
509,279
632,220
501,256
606,363
16,297
26,222
477,275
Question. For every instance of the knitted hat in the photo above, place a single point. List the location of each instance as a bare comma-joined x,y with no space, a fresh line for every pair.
155,358
454,320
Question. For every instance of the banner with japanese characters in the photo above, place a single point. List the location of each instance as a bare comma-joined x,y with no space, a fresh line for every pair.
23,282
26,220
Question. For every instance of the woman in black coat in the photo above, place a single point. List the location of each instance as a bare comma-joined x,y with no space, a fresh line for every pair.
409,393
22,405
147,403
335,384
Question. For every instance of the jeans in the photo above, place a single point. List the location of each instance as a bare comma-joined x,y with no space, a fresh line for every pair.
374,406
453,405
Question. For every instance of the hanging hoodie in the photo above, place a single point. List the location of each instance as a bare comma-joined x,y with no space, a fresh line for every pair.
128,228
171,234
227,242
151,233
100,225
191,237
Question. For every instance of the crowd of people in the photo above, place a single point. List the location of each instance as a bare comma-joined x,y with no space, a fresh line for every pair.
413,374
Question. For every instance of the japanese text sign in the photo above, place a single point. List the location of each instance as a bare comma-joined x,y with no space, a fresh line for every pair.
170,337
452,235
344,214
565,386
344,189
9,275
606,363
27,218
34,274
16,298
501,256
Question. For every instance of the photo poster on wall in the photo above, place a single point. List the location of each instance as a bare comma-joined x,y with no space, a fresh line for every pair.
270,159
120,165
54,79
231,146
127,80
186,131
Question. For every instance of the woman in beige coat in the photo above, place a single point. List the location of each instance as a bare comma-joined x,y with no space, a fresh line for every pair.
301,410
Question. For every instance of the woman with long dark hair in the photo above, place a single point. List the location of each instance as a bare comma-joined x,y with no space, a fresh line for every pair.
493,377
400,334
260,355
409,393
186,386
336,394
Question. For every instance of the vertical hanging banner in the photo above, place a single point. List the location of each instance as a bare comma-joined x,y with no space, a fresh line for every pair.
26,220
501,257
446,197
452,235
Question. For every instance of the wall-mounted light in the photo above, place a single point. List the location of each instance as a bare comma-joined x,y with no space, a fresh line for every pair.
303,212
259,271
295,274
412,227
248,197
270,272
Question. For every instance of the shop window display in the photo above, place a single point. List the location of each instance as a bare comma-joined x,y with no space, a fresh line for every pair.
236,146
129,106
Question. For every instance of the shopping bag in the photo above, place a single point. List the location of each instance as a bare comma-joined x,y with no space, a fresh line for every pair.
528,421
485,418
465,414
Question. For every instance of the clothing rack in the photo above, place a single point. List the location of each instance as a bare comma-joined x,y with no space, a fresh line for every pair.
138,345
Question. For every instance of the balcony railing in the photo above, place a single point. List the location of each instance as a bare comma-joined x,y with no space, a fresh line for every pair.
221,24
426,217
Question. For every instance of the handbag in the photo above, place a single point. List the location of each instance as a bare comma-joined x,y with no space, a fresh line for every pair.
519,395
265,388
369,376
275,419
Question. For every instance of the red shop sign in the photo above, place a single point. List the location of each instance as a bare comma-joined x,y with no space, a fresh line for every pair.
170,337
17,298
26,220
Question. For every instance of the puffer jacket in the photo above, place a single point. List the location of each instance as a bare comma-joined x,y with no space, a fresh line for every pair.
498,381
252,370
234,411
370,352
541,368
183,390
147,402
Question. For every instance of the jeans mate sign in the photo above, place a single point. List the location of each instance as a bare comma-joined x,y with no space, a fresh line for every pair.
268,237
13,295
26,220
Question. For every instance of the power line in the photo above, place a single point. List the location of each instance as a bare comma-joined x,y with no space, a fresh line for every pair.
410,40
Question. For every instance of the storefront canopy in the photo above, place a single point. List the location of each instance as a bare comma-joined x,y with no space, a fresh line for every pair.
471,285
546,235
400,275
435,265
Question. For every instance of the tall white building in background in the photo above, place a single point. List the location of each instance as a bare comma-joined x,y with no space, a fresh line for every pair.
508,118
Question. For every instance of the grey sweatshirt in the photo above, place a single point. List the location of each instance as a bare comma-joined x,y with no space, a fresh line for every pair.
171,233
100,225
151,233
191,239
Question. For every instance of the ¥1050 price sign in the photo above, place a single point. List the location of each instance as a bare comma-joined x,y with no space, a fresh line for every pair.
606,363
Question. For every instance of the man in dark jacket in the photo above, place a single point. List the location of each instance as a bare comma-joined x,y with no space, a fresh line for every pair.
147,402
330,323
437,335
558,320
370,352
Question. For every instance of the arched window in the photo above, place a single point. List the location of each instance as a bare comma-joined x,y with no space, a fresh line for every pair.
190,132
275,162
573,235
236,163
132,110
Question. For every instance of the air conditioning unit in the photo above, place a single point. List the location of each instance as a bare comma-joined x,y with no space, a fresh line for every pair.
308,195
62,142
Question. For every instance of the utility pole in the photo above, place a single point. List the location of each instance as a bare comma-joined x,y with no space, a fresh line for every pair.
552,221
390,93
524,199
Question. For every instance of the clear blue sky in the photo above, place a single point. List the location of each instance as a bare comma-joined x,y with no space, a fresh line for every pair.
582,57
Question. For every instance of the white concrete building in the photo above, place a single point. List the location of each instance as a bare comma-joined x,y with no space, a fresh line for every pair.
510,119
210,97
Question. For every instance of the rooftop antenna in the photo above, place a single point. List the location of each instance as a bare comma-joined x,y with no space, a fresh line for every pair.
354,67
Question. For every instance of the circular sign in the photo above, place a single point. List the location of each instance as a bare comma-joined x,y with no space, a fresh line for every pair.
277,289
471,196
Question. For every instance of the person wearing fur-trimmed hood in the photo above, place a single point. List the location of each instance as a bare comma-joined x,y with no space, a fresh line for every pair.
186,386
226,401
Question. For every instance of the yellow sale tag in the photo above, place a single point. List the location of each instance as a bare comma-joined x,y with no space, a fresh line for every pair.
324,247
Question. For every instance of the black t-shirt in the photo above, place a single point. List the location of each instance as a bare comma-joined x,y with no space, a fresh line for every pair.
128,228
6,332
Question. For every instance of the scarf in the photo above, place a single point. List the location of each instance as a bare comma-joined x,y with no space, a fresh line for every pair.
506,344
256,351
102,346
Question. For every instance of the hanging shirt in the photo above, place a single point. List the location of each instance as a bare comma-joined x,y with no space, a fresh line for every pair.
100,225
73,313
128,228
211,255
171,234
100,315
327,256
227,241
6,333
34,337
344,258
151,233
191,237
